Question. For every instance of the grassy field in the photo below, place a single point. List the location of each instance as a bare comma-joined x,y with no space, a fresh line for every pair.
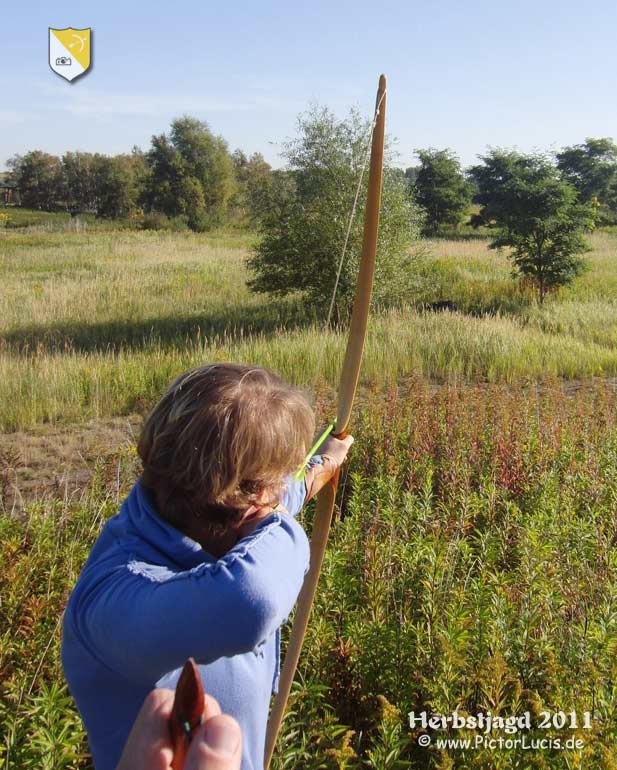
94,323
475,564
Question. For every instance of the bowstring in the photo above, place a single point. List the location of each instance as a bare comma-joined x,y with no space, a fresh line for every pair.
326,326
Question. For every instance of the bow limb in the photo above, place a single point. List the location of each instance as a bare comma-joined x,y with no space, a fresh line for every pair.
346,392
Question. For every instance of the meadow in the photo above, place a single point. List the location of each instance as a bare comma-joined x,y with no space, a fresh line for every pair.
473,562
94,323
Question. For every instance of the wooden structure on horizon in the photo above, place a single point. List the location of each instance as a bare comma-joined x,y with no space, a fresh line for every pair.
8,192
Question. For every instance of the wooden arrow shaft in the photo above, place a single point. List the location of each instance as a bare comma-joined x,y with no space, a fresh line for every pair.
347,388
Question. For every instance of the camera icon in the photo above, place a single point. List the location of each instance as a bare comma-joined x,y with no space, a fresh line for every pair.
63,61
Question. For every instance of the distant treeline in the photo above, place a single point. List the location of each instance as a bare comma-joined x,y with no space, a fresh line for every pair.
445,190
189,179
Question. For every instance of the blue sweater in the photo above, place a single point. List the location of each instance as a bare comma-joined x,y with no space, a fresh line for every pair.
149,597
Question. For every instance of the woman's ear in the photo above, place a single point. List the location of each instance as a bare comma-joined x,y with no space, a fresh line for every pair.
263,505
263,498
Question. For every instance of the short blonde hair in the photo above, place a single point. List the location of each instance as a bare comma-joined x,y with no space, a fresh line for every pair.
221,435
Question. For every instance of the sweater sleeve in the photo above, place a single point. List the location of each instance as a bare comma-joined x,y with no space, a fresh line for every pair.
293,495
143,621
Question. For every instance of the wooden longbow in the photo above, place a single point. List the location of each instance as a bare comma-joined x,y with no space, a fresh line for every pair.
346,393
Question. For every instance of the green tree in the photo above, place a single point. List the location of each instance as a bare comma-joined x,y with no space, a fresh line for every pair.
118,182
536,214
39,180
166,169
591,168
306,214
79,184
190,175
253,179
411,174
441,189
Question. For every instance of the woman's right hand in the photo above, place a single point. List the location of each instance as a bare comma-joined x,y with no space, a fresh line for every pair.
216,745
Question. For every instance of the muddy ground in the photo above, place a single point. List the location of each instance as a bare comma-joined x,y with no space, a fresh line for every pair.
59,461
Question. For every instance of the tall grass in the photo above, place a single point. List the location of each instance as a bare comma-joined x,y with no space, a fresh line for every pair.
96,323
46,387
478,279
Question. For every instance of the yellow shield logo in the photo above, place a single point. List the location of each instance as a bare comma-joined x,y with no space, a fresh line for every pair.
70,51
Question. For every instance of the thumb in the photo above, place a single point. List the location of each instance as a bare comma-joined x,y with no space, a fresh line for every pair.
216,746
348,441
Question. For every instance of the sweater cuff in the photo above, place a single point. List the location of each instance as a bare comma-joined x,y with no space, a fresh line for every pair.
293,495
315,460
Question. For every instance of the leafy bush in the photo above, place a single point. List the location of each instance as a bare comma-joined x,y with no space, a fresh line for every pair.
155,220
306,212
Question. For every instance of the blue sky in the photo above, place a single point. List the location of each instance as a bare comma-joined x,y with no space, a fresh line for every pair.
532,75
